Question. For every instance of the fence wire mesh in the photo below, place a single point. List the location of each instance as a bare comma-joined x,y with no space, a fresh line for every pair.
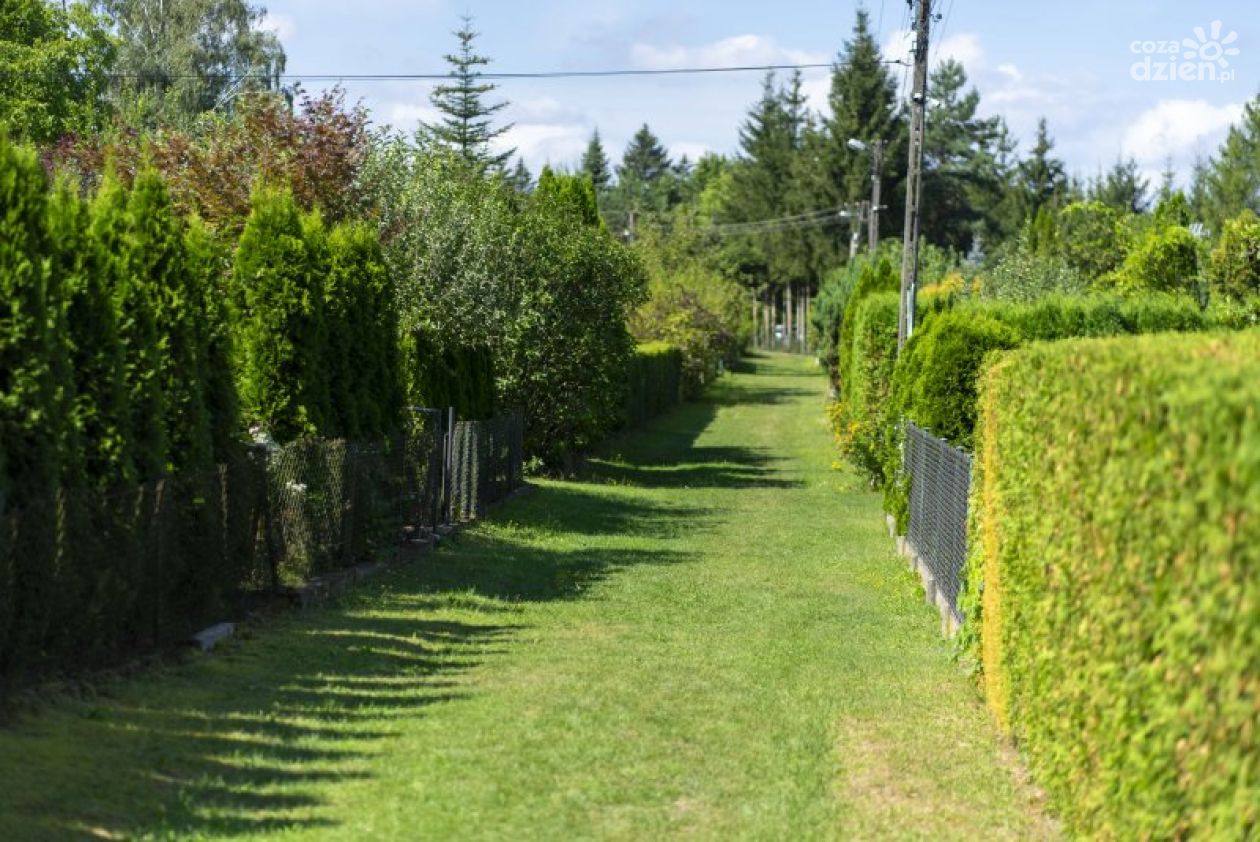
88,575
940,482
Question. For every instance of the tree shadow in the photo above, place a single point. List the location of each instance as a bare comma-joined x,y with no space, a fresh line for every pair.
249,739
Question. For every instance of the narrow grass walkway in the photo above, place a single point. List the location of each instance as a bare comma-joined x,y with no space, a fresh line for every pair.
707,636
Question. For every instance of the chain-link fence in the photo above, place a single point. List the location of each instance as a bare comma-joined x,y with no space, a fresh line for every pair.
940,481
89,575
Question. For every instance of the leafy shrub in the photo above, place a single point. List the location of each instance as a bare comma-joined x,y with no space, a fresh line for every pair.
1022,275
1233,269
1112,580
654,382
1090,239
1164,260
460,377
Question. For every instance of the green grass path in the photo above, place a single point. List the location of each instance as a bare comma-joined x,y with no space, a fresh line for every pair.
707,636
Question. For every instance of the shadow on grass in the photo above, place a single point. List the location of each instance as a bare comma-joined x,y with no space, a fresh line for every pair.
248,740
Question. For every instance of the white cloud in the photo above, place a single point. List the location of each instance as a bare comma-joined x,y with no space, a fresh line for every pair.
408,115
283,26
738,50
693,151
545,143
1177,130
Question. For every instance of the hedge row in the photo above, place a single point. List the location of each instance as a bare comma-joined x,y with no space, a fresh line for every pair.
654,383
1113,578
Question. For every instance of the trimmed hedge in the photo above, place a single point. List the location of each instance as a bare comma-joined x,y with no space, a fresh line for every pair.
653,382
1114,579
868,364
462,377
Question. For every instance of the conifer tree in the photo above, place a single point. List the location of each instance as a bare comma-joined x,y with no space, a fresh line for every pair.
1041,178
207,267
595,164
135,308
1230,183
279,337
520,178
643,172
99,413
1123,188
28,436
466,127
156,258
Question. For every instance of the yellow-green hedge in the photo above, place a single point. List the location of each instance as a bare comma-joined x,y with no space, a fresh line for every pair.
1115,578
653,382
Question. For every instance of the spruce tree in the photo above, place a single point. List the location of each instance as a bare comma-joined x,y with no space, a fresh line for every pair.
1123,188
642,172
520,178
135,307
99,413
863,105
466,127
156,258
1041,179
279,337
595,164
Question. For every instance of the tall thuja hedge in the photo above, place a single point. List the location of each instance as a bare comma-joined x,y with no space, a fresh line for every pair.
100,413
135,306
366,387
462,377
157,258
29,437
1113,596
208,265
654,382
280,338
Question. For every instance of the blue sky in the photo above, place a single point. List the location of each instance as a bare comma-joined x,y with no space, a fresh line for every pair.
1071,61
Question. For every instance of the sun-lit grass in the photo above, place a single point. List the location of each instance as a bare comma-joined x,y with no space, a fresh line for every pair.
706,634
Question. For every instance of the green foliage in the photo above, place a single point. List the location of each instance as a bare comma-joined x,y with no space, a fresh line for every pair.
1021,274
1164,260
54,60
179,59
1112,578
875,275
362,317
209,271
280,338
1090,238
1233,269
465,128
157,260
549,294
861,415
572,195
461,377
595,165
135,307
654,382
99,415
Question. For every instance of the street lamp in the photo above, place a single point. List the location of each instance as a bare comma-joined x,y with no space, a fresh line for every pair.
877,160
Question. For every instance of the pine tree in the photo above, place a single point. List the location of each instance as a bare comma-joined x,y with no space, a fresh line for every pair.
962,180
595,164
1042,180
99,413
156,257
135,307
1231,181
466,127
278,338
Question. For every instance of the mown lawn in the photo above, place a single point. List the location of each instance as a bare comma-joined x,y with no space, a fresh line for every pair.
707,635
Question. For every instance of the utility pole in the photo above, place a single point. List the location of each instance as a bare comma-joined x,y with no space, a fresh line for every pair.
914,174
877,168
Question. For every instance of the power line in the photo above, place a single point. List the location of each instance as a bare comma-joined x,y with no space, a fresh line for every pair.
490,75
